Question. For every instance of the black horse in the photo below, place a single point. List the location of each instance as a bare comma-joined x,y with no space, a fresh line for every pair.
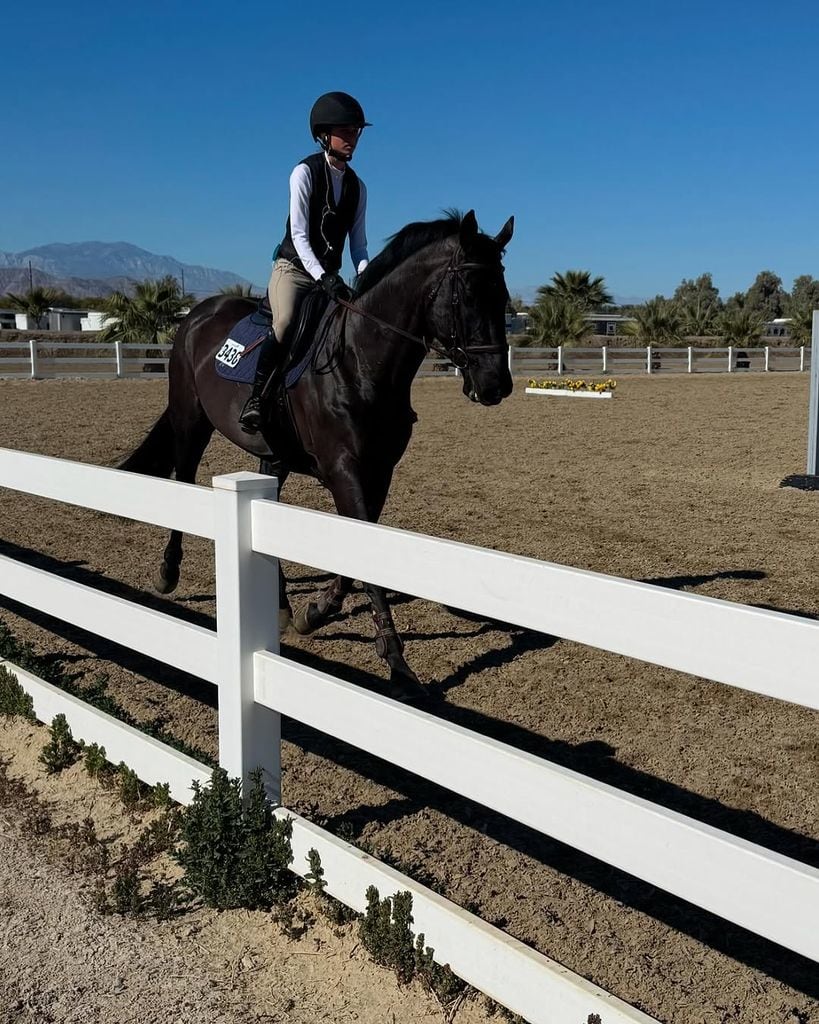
436,285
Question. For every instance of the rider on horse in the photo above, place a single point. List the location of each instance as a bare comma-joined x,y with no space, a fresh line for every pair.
328,203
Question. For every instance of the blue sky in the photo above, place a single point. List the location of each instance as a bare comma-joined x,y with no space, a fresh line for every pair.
642,141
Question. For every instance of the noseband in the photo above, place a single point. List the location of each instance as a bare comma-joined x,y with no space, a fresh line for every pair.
457,352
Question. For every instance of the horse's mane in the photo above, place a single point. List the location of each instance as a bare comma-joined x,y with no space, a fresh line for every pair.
406,243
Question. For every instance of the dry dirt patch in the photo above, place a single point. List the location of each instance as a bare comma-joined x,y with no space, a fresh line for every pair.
61,962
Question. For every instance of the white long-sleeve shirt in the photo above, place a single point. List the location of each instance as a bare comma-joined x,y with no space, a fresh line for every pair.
301,187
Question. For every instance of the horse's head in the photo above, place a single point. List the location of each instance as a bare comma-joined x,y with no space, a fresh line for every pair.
468,311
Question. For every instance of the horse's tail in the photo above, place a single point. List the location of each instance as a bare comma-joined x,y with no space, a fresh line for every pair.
155,456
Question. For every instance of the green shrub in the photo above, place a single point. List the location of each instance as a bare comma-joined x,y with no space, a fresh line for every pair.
164,900
160,836
315,876
14,701
334,910
126,897
129,788
235,855
95,761
386,934
162,795
62,750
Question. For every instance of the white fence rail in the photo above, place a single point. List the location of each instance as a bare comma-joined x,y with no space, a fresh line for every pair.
534,362
767,652
40,358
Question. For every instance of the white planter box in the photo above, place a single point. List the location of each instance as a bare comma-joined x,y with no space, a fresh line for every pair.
565,392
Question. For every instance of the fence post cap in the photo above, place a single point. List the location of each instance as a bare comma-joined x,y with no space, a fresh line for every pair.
245,481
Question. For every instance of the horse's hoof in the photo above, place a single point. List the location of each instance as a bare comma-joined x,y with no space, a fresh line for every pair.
304,621
285,619
405,687
166,581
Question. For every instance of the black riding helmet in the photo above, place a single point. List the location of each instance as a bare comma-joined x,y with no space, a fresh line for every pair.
335,108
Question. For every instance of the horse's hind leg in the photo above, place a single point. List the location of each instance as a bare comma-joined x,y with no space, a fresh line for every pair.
190,442
329,602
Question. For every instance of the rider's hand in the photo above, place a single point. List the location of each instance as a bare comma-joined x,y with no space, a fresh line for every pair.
335,287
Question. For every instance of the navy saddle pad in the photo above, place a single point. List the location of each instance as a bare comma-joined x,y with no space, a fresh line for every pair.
239,353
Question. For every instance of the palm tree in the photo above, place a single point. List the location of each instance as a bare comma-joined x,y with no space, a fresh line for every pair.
700,316
578,287
558,322
149,317
801,326
657,322
741,326
244,291
35,303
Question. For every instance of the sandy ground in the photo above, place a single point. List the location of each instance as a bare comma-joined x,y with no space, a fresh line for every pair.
674,481
61,961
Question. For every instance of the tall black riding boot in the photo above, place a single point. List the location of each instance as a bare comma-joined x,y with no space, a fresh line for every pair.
250,418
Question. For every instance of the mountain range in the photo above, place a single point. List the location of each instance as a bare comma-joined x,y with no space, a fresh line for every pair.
98,268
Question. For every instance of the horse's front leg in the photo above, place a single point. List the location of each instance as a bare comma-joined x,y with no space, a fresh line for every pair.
359,500
404,684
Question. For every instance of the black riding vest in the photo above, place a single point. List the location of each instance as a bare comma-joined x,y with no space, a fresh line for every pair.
328,224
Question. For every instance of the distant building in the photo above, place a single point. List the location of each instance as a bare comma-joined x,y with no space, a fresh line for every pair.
64,319
94,320
777,328
56,318
24,322
607,324
517,323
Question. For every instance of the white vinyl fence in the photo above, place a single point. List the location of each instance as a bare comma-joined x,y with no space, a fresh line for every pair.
40,358
763,651
537,362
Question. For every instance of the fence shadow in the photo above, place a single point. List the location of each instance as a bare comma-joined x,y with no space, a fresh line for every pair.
97,646
594,759
681,582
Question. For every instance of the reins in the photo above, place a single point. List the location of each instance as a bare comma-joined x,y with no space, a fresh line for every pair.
458,352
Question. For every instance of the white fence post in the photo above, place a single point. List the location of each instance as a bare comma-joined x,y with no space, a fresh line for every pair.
730,358
119,358
32,348
767,359
559,360
690,358
247,610
605,359
511,358
813,403
801,358
648,358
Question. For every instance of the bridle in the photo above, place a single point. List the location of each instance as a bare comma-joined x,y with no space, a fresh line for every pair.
457,352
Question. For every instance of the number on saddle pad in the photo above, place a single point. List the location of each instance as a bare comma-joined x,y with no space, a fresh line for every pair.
230,353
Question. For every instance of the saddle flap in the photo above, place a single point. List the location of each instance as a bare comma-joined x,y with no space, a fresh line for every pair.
238,354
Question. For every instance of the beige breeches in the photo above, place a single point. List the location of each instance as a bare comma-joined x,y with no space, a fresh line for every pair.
288,286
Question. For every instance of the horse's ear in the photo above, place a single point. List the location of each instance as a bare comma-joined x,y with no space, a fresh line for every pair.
469,227
505,233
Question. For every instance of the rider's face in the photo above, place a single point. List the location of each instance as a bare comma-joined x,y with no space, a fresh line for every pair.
344,138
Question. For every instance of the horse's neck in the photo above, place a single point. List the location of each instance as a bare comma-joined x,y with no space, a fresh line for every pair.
399,301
